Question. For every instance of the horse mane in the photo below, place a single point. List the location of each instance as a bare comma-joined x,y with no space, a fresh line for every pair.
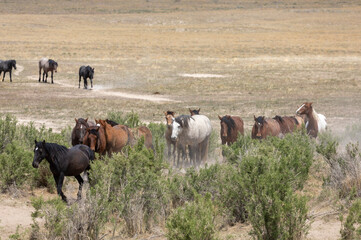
56,152
82,121
52,62
260,120
183,120
111,122
230,124
278,118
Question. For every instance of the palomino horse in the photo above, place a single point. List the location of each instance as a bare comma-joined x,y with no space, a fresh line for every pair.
194,111
47,65
264,127
7,66
231,128
289,124
86,72
136,133
117,137
95,139
314,122
79,130
64,162
193,131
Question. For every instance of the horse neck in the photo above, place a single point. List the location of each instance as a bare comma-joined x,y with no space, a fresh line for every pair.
312,119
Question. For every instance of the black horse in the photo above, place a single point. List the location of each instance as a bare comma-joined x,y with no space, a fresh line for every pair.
7,66
64,162
47,65
86,72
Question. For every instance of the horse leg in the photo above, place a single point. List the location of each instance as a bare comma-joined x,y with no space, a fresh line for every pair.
0,74
85,83
4,76
79,80
91,82
43,76
59,184
80,181
10,76
39,74
51,77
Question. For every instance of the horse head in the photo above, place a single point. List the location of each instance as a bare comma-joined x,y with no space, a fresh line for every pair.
53,65
226,125
80,128
39,153
258,127
169,116
92,138
13,64
194,111
306,108
91,73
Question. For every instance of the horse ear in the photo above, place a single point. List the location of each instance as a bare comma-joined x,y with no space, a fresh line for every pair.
35,141
190,110
310,104
43,142
220,118
86,120
93,69
165,113
76,120
199,109
228,116
255,117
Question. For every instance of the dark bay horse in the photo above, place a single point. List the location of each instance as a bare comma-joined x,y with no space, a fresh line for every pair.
289,123
64,162
194,111
264,127
117,137
79,130
231,128
86,72
7,66
47,65
95,139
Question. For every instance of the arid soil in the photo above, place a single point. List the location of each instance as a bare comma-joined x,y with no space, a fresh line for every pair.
226,57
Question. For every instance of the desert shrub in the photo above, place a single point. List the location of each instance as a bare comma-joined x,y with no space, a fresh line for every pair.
351,228
133,185
327,145
15,166
270,175
195,220
233,152
130,119
158,130
7,130
213,144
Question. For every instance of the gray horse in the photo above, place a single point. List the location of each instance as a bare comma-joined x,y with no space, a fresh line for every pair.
47,65
7,66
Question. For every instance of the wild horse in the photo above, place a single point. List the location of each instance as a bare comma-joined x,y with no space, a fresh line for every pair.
7,66
64,162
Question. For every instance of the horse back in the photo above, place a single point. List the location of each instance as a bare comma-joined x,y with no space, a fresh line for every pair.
77,160
273,127
199,129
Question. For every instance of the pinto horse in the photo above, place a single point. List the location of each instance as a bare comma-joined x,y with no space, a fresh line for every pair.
194,111
231,128
195,132
315,122
47,65
116,137
79,130
289,124
95,139
86,72
264,127
7,66
64,162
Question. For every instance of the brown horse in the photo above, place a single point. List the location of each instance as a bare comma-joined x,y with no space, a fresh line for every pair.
264,127
117,137
312,125
136,133
95,139
231,128
194,111
289,124
169,116
79,130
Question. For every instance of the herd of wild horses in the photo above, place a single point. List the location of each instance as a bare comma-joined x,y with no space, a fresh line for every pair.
48,65
188,134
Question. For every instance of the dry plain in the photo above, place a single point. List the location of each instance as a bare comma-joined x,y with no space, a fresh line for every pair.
226,57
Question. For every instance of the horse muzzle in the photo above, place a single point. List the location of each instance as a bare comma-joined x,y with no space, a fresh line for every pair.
35,165
174,139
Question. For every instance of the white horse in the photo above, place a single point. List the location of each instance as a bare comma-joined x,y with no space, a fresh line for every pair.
195,132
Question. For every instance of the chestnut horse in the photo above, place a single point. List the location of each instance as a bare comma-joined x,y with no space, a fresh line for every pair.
289,124
264,127
231,128
194,111
315,122
116,137
136,133
95,139
79,130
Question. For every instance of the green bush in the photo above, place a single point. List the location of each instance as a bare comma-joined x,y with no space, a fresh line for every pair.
351,228
15,166
130,119
327,145
234,152
196,220
271,173
7,130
